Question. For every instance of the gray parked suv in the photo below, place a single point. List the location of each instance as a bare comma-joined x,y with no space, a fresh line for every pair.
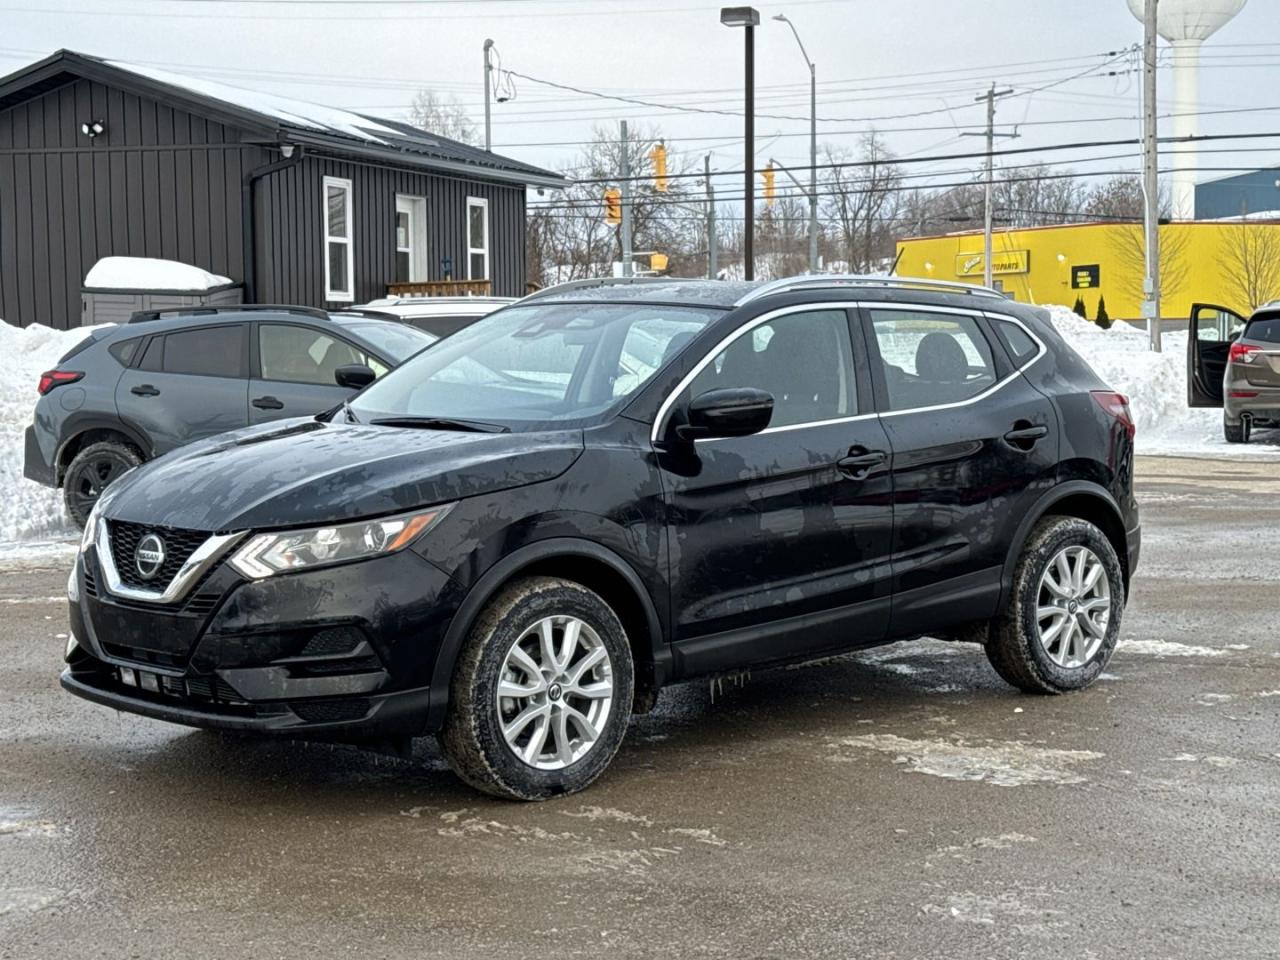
129,393
1234,363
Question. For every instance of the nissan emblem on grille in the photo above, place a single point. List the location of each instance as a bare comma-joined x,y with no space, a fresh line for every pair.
148,558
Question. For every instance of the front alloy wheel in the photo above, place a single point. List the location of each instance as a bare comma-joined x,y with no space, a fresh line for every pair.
555,692
541,692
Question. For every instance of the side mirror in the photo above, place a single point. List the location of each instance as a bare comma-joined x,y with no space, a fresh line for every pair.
727,412
354,375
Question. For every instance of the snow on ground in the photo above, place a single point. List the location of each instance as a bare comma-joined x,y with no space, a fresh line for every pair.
1155,384
148,273
29,512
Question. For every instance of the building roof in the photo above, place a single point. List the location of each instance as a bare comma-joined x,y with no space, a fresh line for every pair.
275,118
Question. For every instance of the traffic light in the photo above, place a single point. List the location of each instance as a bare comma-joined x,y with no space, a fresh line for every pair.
658,155
770,192
613,207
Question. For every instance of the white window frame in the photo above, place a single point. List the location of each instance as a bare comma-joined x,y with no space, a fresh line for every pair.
416,209
471,251
330,294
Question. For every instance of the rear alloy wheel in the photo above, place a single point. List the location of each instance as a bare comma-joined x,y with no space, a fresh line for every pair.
1062,621
541,693
94,469
1237,432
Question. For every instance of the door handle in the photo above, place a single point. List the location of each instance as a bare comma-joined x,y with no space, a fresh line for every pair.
267,403
145,390
860,462
1024,437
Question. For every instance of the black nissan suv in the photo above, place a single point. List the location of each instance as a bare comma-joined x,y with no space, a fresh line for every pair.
516,538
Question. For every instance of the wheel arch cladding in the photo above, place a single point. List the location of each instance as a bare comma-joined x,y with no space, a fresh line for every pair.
89,432
596,568
1083,500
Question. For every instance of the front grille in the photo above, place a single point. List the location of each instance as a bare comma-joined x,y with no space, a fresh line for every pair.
178,547
333,642
90,582
331,711
136,655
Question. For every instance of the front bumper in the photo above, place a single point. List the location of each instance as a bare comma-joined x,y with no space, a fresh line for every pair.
342,652
35,465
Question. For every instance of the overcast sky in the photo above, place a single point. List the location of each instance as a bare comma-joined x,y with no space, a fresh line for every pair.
874,60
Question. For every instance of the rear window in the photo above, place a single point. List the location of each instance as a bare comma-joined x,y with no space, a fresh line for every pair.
1265,329
125,350
208,352
1021,347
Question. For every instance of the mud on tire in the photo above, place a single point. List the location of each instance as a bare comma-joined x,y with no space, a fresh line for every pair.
473,738
1014,647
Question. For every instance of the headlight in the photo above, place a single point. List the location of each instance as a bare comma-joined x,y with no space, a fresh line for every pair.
271,553
90,527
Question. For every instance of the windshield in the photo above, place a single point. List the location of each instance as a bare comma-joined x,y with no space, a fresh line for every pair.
527,366
395,341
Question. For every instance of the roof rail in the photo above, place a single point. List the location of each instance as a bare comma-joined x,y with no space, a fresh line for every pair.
142,316
367,313
864,280
602,282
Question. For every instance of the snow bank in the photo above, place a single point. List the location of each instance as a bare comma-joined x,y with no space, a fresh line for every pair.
144,273
1156,385
28,511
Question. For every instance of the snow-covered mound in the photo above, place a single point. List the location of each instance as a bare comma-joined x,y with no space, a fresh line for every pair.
1156,385
146,273
28,511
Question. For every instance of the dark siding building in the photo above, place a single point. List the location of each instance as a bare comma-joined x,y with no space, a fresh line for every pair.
301,204
1256,192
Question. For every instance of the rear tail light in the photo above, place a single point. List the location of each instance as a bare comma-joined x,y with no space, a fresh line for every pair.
1243,353
1116,405
56,378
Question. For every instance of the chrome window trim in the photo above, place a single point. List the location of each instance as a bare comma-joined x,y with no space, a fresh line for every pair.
930,308
204,557
655,435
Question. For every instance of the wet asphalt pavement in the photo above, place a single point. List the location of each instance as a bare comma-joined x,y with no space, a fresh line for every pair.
899,803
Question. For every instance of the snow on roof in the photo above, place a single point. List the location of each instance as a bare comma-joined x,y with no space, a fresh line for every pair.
143,273
299,113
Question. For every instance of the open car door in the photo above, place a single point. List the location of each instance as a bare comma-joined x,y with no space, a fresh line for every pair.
1213,329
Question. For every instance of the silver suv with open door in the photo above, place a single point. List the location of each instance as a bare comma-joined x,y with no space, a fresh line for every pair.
1234,363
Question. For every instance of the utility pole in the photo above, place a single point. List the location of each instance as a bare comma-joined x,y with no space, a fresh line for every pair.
711,220
626,202
990,96
749,175
488,92
1150,178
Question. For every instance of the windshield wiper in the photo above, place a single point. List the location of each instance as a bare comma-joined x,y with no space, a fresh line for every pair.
441,423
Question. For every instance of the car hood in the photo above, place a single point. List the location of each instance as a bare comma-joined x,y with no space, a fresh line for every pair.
301,472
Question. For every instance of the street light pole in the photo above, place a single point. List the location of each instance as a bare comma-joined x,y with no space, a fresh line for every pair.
1150,179
748,17
813,145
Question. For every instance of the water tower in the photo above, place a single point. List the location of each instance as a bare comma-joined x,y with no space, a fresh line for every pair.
1186,24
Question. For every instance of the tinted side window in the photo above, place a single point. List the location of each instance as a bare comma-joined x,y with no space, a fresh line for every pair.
153,359
125,350
804,359
931,358
1266,331
1021,347
208,352
302,355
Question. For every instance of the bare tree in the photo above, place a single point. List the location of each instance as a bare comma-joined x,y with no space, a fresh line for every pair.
1036,196
1251,262
1129,246
446,118
782,239
863,200
1120,198
568,238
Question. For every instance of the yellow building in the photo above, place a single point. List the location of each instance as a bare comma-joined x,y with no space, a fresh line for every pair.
1201,262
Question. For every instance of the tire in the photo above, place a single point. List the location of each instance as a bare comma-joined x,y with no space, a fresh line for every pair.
474,739
1071,658
92,470
1237,433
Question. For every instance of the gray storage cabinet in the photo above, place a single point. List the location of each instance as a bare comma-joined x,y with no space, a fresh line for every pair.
109,305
